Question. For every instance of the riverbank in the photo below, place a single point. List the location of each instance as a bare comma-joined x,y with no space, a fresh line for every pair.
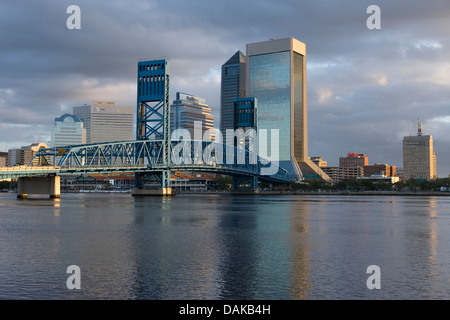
325,193
285,192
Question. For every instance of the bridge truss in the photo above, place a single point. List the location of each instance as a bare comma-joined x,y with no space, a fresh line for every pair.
146,157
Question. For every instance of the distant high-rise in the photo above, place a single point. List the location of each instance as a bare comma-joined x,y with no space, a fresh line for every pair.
188,109
419,159
3,159
353,160
68,130
380,168
24,155
106,122
233,85
277,78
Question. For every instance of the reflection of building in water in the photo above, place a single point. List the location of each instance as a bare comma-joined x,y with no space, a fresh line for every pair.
172,260
300,251
433,237
238,266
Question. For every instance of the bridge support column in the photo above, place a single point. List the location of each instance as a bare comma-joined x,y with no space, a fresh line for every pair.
39,186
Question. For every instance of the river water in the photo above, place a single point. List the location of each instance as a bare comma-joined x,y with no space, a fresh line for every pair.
220,246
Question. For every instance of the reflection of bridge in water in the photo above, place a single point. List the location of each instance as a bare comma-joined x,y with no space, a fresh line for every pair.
152,156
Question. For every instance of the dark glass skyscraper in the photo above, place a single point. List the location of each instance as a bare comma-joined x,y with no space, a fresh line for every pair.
233,86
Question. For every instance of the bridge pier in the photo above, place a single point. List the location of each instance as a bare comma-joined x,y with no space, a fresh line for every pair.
49,185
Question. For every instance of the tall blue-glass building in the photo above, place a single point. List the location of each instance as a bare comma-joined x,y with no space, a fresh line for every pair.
276,72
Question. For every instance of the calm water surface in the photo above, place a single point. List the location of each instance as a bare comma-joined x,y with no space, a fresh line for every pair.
224,247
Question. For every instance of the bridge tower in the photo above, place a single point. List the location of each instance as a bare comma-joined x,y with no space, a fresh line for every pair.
153,122
245,117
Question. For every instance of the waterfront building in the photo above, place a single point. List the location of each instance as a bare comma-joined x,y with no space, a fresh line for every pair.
319,162
276,72
68,130
14,157
419,158
106,122
379,178
379,168
188,111
25,154
233,86
354,160
3,159
338,174
198,182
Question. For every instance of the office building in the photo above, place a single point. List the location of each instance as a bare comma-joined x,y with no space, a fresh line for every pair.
68,130
338,174
3,159
24,155
380,178
14,157
187,111
106,122
277,79
354,160
319,162
379,168
233,86
419,159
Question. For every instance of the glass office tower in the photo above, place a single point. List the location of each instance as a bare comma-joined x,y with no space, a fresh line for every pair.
233,85
277,78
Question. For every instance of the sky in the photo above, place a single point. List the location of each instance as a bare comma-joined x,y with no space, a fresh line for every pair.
367,88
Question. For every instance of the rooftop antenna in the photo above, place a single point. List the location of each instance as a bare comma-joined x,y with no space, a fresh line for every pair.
419,129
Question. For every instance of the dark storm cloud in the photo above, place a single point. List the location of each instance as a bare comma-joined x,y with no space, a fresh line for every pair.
366,88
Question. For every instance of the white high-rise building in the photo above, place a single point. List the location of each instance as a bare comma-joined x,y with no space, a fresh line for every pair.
106,122
68,130
187,111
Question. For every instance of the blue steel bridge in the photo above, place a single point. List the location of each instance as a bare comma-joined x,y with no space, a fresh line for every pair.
153,155
146,156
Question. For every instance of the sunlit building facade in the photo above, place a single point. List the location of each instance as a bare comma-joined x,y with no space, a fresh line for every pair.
419,158
188,112
106,122
277,78
25,154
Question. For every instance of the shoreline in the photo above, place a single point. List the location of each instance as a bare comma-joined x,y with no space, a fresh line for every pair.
327,193
284,192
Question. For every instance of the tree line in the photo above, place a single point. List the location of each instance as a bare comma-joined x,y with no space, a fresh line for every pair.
368,185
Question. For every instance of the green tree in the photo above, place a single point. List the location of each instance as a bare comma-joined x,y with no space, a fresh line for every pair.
223,182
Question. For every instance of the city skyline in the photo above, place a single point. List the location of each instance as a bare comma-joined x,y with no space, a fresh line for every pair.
366,88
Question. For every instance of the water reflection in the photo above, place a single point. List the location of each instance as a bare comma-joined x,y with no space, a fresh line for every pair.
225,247
300,251
239,248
